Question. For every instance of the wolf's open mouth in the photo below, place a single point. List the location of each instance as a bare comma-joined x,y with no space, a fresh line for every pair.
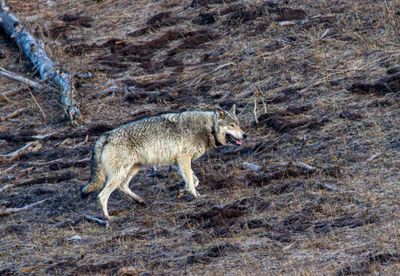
233,140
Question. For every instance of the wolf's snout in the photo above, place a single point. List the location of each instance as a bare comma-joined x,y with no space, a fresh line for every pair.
244,136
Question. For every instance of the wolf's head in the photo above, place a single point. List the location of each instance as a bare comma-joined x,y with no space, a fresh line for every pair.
227,127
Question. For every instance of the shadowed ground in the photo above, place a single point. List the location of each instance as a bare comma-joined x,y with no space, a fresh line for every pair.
148,57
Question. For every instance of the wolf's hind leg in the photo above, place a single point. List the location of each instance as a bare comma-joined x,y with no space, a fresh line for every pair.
112,183
124,187
187,175
195,180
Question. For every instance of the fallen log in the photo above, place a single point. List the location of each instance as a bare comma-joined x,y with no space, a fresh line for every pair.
7,211
33,49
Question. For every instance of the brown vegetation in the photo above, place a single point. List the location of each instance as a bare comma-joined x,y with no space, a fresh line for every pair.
321,193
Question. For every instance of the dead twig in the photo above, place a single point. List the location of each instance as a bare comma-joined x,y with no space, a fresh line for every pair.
8,169
16,138
255,98
60,163
29,147
7,211
48,178
12,114
37,180
4,95
223,66
96,220
374,156
301,22
7,186
14,76
300,165
38,105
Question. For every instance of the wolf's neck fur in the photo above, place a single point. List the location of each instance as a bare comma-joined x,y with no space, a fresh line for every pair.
200,118
215,130
205,120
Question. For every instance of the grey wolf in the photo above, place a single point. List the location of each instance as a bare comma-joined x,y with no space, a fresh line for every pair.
168,139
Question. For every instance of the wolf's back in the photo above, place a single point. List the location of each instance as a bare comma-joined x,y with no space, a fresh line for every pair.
97,175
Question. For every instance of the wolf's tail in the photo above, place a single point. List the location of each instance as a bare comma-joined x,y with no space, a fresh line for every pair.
97,175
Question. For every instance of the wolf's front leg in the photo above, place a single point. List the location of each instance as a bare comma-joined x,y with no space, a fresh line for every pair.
184,163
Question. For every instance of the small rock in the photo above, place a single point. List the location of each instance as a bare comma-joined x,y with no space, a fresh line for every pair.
251,166
84,75
328,187
75,238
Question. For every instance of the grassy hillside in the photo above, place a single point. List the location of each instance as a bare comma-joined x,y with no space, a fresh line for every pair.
315,82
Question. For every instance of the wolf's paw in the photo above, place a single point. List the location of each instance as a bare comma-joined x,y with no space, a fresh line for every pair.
109,218
188,195
197,194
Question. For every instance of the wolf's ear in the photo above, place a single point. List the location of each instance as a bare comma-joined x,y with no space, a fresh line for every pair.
233,109
220,112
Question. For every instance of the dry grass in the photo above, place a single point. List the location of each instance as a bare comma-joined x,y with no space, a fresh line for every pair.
343,219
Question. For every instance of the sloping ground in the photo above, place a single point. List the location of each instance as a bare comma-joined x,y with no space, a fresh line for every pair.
138,58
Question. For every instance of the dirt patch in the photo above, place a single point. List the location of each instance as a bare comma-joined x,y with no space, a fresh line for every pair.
216,251
143,53
196,3
68,22
364,267
278,172
205,19
384,85
285,124
239,14
150,86
218,216
349,221
217,182
157,21
287,14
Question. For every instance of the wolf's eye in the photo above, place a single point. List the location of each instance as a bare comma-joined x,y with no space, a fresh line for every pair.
232,125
